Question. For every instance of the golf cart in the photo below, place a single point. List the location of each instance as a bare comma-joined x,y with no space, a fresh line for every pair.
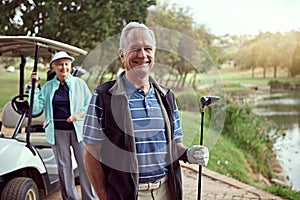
28,168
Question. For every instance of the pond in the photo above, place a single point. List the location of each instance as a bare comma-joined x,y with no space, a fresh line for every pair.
284,109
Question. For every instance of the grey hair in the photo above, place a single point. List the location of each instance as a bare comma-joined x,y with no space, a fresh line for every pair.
134,25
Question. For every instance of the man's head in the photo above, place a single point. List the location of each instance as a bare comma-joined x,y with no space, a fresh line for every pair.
137,47
61,63
134,25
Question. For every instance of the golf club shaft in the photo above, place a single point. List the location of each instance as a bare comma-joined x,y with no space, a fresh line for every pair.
201,142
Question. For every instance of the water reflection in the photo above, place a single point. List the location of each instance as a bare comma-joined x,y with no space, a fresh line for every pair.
284,110
270,113
287,149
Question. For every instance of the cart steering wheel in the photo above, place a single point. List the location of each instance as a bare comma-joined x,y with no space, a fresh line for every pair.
22,105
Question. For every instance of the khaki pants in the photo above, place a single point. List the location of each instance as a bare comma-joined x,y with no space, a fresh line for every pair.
162,193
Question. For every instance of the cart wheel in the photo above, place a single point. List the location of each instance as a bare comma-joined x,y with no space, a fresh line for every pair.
20,188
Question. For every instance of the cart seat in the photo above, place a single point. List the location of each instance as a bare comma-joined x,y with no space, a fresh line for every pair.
10,120
10,117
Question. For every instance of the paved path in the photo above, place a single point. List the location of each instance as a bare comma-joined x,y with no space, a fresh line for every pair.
218,187
214,187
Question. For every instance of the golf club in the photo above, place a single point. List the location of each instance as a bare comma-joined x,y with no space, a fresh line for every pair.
205,101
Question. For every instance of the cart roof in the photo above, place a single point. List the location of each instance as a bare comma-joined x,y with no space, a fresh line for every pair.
16,46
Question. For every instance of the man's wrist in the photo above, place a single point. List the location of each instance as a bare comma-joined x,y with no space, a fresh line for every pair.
184,157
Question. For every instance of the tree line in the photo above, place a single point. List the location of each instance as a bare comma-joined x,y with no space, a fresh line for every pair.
86,23
271,51
82,23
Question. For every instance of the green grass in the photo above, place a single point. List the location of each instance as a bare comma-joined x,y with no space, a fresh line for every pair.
230,162
191,125
8,86
231,75
225,157
281,191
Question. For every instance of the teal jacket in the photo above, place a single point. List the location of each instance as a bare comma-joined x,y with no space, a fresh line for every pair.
79,95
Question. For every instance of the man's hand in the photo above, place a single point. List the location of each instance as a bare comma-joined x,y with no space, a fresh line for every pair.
198,155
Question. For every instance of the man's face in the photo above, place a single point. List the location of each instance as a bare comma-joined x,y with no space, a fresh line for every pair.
62,67
139,52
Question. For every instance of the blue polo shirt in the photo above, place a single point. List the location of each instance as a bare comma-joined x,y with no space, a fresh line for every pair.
149,132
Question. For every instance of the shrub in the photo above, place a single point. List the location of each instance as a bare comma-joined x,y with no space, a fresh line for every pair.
249,133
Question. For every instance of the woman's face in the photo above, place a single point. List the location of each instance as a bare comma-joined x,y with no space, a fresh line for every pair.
62,67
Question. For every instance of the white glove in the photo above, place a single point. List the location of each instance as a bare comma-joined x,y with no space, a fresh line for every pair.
198,155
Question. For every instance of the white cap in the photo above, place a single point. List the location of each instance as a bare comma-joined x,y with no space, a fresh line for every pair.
60,55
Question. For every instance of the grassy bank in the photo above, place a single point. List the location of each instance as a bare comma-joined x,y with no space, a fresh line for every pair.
238,149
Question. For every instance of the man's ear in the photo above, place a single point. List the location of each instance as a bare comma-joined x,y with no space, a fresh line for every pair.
121,55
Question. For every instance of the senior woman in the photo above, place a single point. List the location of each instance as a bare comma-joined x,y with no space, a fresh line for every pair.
65,99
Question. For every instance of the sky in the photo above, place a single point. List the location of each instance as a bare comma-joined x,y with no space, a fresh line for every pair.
241,17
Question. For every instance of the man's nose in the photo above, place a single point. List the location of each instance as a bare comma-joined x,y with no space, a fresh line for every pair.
142,53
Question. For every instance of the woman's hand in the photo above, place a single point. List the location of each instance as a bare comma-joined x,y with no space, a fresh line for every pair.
75,117
37,79
72,118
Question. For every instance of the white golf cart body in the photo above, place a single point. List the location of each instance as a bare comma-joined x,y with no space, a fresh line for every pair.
28,168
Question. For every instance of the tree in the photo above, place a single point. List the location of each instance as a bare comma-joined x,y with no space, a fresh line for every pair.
82,23
295,67
277,58
187,42
292,50
244,58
